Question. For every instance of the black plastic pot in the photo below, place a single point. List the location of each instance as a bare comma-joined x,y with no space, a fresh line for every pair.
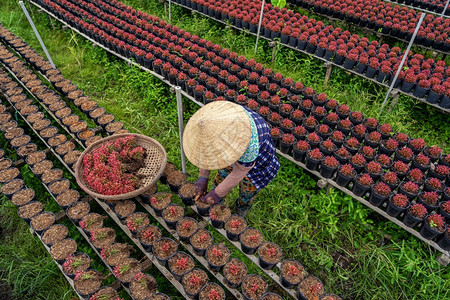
359,189
327,171
285,147
300,295
411,221
376,199
361,68
349,64
312,164
444,242
299,155
428,232
371,72
392,209
429,207
344,180
246,249
420,91
203,211
433,97
407,86
265,264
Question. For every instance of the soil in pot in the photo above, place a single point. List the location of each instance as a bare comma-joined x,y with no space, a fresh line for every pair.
75,94
22,104
63,112
20,141
26,149
149,234
35,157
5,163
124,208
78,210
29,109
88,105
41,167
22,197
67,197
201,240
60,250
172,213
106,293
254,286
217,255
9,174
127,270
136,221
65,148
71,157
170,167
113,127
105,119
57,105
164,248
159,201
54,233
86,134
310,288
180,263
41,124
211,291
12,187
5,117
42,221
17,98
78,126
187,193
93,140
92,222
88,282
143,286
148,193
69,120
116,253
14,133
250,240
175,179
234,272
186,227
103,237
76,263
33,118
193,281
218,214
81,100
269,254
49,132
52,175
29,210
202,207
292,272
99,111
234,226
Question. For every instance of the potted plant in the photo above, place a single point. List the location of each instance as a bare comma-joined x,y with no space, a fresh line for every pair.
435,93
324,131
217,256
327,147
274,119
433,152
286,110
356,118
194,281
372,139
416,176
297,116
371,124
163,249
342,155
434,185
388,147
409,82
310,123
331,119
287,142
401,138
306,106
404,154
384,160
440,172
200,241
417,145
263,98
368,153
422,88
359,131
276,135
269,255
211,291
287,126
397,204
319,112
337,138
331,105
313,159
346,173
291,273
429,200
391,179
250,240
234,272
253,287
172,214
380,193
409,189
358,162
300,132
362,184
264,111
313,139
422,162
345,126
300,149
329,165
414,215
310,288
320,99
433,226
180,263
444,209
374,169
218,214
234,226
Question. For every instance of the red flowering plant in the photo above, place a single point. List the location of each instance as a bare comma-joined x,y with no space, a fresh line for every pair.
311,121
446,206
337,136
286,108
342,152
417,210
264,111
331,162
434,183
415,175
252,104
315,154
356,115
436,221
401,137
275,132
368,151
329,145
410,187
359,129
71,264
332,117
358,160
374,167
319,110
352,143
306,103
390,144
405,152
347,170
313,137
300,130
434,151
430,198
381,189
324,129
365,180
442,170
287,124
346,124
417,144
297,114
331,104
374,137
400,200
383,160
343,109
302,145
385,129
422,159
275,100
288,138
109,169
390,178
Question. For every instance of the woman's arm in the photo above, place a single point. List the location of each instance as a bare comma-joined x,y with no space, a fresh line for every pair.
235,176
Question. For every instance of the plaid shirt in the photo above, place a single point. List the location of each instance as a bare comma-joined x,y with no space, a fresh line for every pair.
266,164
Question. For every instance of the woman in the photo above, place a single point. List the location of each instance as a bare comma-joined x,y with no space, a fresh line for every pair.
236,141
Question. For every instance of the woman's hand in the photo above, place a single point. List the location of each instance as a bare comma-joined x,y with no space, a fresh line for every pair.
200,186
210,198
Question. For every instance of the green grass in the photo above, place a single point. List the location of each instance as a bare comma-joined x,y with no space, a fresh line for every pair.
326,232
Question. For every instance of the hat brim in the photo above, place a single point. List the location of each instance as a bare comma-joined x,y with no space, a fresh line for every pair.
217,135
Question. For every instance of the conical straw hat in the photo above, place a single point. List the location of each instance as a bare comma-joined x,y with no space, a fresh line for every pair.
217,135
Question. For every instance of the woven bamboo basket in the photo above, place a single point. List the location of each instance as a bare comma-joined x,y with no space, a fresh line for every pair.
155,163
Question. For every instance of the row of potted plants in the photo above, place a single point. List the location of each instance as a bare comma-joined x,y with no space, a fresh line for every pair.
353,52
386,17
87,282
251,240
75,265
431,5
